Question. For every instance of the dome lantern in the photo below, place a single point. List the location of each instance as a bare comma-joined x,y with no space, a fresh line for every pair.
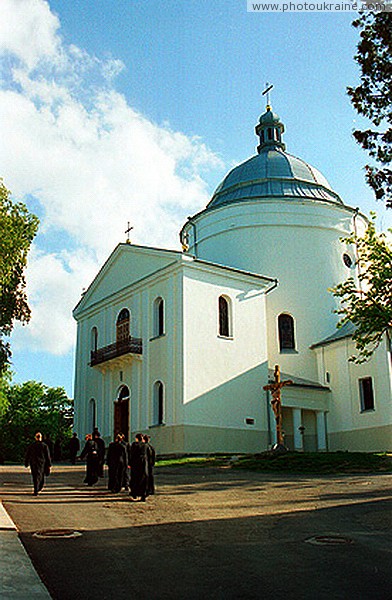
269,130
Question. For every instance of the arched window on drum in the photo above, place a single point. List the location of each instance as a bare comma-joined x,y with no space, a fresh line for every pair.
286,332
225,317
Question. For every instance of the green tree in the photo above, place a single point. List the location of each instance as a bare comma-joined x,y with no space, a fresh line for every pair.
5,380
33,407
17,230
368,305
373,98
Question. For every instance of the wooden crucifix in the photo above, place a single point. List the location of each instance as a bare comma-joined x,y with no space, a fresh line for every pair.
276,403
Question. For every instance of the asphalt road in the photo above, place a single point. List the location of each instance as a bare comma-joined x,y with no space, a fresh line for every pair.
208,534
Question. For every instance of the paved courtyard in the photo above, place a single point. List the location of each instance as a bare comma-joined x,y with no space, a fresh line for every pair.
209,533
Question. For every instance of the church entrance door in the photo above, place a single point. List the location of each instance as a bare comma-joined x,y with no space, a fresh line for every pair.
121,413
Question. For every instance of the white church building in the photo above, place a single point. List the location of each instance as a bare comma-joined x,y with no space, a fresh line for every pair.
179,344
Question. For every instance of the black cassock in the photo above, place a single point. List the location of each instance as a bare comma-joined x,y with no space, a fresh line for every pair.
101,454
151,464
139,469
90,453
118,463
74,447
38,458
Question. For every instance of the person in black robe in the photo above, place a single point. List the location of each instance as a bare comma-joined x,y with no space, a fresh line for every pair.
90,453
57,451
127,474
101,451
139,468
151,464
74,447
117,462
38,459
49,442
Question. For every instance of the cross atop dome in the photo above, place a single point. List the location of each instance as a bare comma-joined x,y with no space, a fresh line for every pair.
269,128
268,88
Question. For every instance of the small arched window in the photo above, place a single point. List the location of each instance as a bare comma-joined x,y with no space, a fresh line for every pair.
224,316
159,317
123,325
158,399
94,339
286,332
270,134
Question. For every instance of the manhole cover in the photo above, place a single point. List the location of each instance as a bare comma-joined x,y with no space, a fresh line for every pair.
329,540
56,533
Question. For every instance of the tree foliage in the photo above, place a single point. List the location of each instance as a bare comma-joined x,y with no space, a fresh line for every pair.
32,407
17,230
368,305
373,98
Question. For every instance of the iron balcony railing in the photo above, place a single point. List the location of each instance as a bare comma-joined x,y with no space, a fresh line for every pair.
129,345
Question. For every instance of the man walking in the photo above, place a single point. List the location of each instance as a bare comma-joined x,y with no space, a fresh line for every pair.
101,450
38,458
74,447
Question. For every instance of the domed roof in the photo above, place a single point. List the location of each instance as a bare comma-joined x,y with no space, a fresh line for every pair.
273,172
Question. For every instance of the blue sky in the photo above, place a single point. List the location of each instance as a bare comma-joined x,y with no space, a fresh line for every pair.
129,110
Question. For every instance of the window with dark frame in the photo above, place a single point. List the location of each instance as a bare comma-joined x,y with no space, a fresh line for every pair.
159,317
224,317
366,394
286,332
158,403
94,339
93,413
123,325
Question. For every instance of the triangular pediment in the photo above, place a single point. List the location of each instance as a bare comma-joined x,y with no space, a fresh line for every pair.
127,265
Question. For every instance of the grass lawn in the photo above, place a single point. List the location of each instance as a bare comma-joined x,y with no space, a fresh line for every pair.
293,462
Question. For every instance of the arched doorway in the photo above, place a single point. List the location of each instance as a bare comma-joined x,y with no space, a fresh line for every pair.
121,412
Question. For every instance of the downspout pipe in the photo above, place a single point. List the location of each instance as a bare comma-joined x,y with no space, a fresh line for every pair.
193,225
274,285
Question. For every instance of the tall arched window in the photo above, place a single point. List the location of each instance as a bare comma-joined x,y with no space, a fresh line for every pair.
159,317
286,332
123,325
224,317
94,339
158,399
92,417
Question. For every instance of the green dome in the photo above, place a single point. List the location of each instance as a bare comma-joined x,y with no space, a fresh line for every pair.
269,117
273,172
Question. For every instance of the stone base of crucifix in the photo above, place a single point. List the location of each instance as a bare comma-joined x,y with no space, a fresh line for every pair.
279,449
276,403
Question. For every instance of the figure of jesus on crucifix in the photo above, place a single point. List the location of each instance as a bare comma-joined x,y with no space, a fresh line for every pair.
276,403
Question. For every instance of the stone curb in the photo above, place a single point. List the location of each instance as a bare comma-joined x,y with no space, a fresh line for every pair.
18,578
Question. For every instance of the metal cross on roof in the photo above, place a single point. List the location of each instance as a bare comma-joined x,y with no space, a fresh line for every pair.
128,231
267,90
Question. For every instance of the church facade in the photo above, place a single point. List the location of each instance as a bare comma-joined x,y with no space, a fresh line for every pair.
180,344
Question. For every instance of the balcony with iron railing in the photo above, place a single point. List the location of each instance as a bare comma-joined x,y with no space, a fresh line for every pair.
128,345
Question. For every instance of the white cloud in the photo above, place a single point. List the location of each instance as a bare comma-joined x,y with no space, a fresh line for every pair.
28,31
90,160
